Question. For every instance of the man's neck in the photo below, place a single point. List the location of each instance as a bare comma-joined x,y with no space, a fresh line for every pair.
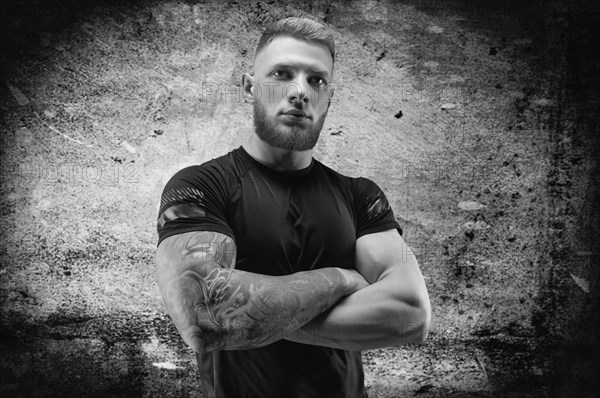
277,158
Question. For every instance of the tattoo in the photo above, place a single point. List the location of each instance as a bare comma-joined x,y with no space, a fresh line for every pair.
215,306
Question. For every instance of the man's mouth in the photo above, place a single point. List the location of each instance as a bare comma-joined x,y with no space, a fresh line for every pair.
297,113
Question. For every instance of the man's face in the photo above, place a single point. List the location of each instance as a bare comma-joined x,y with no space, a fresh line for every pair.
292,91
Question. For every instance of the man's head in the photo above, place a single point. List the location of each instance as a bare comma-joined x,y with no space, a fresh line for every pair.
291,85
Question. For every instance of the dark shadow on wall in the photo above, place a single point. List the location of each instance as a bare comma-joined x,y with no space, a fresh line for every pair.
573,315
26,25
107,356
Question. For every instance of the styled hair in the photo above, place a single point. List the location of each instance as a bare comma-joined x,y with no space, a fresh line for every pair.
298,28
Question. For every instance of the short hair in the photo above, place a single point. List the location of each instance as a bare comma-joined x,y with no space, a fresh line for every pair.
298,28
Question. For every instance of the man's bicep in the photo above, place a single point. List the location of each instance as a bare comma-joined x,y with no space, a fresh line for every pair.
190,250
380,253
385,255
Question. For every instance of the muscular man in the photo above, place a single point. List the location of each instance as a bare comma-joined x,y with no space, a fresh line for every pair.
276,270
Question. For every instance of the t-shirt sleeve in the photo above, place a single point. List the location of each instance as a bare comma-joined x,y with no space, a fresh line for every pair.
194,199
374,213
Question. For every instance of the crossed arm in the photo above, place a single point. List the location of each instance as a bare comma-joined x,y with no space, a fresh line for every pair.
215,306
394,309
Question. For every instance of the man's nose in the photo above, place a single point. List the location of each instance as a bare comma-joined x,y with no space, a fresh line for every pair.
297,91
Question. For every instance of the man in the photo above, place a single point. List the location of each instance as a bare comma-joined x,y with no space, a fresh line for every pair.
276,270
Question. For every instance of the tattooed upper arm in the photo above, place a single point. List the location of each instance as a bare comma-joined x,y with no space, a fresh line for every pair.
188,270
184,250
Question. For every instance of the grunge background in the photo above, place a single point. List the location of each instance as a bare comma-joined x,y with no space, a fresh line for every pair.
479,121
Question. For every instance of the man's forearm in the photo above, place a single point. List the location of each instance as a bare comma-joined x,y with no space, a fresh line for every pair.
230,309
215,307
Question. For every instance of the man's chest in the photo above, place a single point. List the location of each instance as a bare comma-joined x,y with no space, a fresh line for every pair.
283,227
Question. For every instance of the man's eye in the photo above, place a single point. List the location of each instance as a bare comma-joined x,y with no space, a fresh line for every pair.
318,81
280,73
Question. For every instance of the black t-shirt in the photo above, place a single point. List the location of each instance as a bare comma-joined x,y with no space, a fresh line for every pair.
281,222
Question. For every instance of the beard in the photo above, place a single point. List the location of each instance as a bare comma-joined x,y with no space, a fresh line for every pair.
289,138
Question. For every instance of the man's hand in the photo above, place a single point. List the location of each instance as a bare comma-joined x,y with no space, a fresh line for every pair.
215,306
354,279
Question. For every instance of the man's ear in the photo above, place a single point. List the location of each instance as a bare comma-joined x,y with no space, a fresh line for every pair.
248,86
331,92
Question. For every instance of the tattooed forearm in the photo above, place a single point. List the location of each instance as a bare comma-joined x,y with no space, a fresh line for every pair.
217,307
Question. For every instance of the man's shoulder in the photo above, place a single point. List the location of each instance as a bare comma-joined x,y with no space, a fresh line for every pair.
224,166
333,175
353,183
